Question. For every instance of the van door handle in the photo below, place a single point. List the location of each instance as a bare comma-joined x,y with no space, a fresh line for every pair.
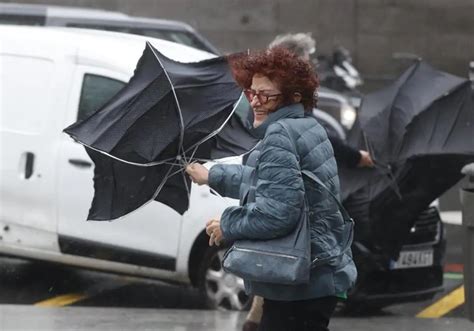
29,164
80,163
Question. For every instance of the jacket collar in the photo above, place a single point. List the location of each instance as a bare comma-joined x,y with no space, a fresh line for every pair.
295,110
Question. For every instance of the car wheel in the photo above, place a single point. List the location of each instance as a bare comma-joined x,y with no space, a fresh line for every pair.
221,290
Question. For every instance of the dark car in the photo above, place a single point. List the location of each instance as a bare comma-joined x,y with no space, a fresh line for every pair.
417,275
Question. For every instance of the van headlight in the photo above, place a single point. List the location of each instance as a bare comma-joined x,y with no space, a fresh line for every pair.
348,116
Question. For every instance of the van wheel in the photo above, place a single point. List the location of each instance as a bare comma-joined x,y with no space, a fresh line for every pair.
221,290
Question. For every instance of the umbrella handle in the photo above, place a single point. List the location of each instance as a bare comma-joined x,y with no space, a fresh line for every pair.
386,169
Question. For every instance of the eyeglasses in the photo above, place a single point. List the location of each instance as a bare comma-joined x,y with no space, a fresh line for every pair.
262,97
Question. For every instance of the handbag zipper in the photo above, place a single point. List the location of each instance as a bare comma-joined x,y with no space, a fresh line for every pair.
265,253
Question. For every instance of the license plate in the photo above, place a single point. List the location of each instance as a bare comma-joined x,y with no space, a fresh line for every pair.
413,259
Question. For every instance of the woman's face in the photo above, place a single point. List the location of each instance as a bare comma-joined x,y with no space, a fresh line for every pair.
264,96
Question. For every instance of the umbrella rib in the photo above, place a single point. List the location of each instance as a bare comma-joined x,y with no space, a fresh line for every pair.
158,190
224,162
120,118
216,193
456,119
188,189
215,132
409,76
176,172
154,195
150,164
181,134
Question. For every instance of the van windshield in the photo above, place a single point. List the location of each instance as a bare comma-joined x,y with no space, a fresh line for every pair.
177,36
181,37
22,19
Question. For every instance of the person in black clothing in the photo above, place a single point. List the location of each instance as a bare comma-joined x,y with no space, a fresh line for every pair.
349,156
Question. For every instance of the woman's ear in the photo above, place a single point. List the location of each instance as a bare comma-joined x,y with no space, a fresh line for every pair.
297,97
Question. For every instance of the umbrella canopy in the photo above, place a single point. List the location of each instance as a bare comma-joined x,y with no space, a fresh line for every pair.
168,114
420,132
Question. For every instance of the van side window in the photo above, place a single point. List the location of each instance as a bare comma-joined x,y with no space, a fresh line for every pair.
96,91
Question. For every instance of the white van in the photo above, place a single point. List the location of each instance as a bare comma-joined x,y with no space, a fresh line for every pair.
99,19
50,78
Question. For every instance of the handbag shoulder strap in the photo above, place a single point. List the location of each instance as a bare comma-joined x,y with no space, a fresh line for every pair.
343,210
312,176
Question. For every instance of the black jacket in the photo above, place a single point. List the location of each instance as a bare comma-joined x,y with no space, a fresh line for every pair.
345,155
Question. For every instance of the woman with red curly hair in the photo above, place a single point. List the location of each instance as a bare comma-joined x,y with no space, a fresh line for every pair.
280,87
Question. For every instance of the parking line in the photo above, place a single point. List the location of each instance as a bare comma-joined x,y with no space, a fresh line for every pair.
61,300
444,305
96,289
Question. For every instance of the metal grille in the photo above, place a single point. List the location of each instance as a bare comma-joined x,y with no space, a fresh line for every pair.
427,228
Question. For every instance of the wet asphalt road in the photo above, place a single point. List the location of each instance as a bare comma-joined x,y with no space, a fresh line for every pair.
29,283
12,318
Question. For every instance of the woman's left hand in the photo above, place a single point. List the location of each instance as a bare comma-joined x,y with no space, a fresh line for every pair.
213,230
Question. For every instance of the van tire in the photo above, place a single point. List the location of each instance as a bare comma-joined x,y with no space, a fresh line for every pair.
220,290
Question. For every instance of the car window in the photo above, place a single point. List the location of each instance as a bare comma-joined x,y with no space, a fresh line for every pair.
96,91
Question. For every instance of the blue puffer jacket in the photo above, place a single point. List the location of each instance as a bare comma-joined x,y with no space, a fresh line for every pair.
275,204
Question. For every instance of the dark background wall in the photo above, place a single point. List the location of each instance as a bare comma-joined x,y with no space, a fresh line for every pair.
441,31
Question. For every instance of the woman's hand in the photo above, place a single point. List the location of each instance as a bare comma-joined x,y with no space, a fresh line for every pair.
213,230
198,173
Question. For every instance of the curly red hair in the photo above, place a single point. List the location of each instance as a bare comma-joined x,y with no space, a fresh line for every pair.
292,73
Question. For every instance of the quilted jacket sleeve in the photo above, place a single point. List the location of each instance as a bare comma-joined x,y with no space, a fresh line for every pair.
226,179
279,193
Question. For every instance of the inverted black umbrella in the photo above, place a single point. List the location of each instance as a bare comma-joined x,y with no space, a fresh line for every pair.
168,115
420,132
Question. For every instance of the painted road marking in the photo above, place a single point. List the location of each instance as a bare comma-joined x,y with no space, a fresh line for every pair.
453,276
71,298
443,306
453,271
61,300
